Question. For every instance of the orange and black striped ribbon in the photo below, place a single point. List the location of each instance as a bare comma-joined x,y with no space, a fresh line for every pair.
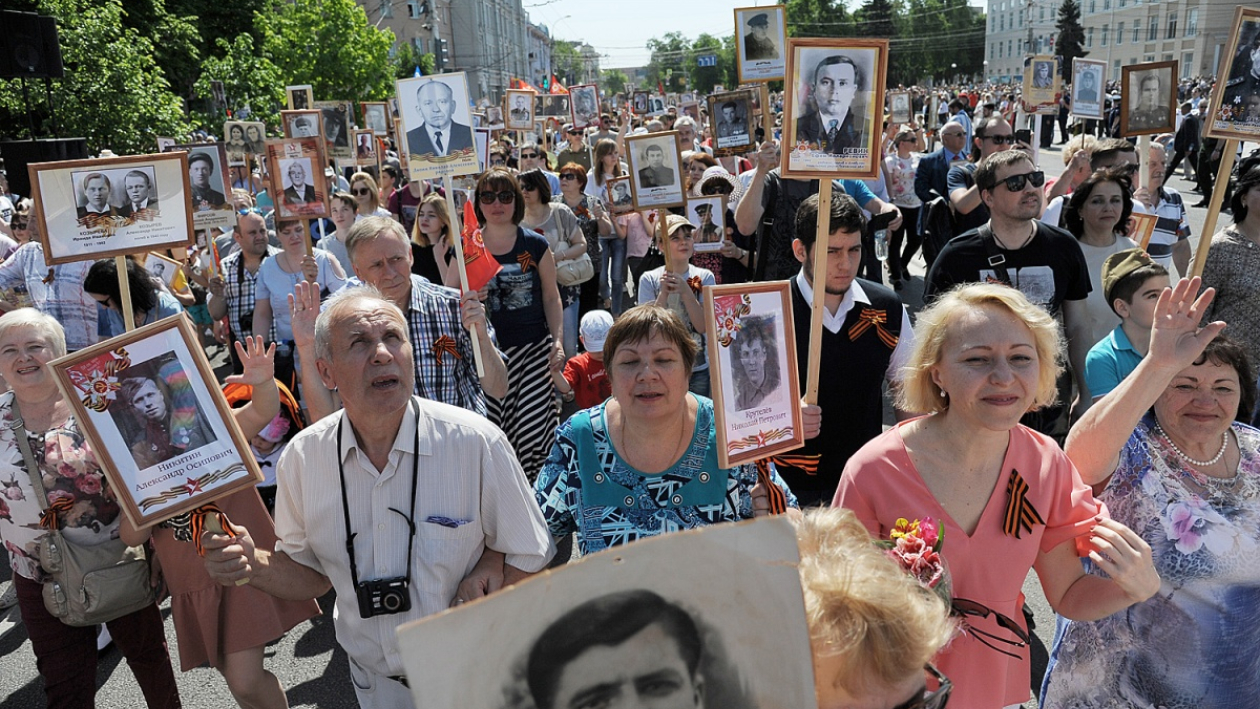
197,522
526,260
807,464
1020,513
50,518
695,284
778,500
445,345
877,318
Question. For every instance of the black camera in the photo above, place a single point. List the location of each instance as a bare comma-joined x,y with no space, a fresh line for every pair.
383,596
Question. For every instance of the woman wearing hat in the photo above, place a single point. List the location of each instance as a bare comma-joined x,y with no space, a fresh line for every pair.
1233,264
736,247
680,278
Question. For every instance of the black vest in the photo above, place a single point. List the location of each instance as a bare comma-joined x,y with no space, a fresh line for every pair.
850,385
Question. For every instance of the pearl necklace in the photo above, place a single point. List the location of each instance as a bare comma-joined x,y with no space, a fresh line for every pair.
1196,463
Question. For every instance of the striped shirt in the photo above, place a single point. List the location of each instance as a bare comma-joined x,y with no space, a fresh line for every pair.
1172,225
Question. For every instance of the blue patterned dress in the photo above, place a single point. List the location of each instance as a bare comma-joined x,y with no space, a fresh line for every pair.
608,503
1196,643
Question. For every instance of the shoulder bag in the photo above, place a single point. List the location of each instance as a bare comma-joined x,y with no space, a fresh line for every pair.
85,585
574,271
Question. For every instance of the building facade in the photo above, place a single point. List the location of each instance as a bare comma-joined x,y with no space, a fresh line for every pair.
1119,32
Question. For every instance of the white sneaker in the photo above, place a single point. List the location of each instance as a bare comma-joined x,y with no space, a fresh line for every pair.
103,638
8,599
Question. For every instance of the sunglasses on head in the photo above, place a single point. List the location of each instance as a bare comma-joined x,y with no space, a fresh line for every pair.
1016,183
505,196
1001,139
963,608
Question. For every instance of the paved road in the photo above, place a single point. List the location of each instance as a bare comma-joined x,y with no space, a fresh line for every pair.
308,662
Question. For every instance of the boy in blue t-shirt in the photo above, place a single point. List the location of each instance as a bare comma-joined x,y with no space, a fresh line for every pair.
1131,283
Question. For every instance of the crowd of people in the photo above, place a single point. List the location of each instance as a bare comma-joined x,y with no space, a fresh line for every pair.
1061,402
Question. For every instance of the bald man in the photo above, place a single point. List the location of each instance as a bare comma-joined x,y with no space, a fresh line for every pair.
439,135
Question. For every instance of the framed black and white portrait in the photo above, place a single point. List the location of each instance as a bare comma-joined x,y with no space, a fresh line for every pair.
1235,111
760,43
306,123
376,117
210,191
162,267
365,152
243,138
576,630
1088,88
296,175
655,170
708,216
584,105
337,120
152,408
731,122
494,118
92,209
1148,98
551,106
833,107
1041,84
520,109
620,196
639,104
899,107
300,97
435,125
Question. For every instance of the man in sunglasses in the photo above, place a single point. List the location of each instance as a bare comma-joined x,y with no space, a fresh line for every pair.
575,150
993,135
1044,262
532,158
232,290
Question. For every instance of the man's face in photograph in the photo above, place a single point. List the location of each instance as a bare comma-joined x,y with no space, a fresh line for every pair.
435,103
655,156
728,114
297,174
303,128
646,671
835,85
199,174
137,188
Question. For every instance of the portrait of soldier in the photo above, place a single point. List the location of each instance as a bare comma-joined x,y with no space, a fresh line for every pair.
139,189
1150,110
520,110
1043,75
754,362
758,44
303,127
1087,92
204,197
655,174
708,232
160,416
732,124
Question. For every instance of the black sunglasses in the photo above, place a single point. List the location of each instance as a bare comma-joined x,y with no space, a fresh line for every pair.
19,225
529,156
931,698
527,187
505,196
566,176
575,132
364,192
1016,183
962,608
1132,167
1001,139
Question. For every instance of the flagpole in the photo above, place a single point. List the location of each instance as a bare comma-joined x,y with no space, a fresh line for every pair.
455,233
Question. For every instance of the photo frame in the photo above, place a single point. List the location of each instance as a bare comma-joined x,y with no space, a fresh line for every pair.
337,118
708,216
1088,88
296,175
242,139
1148,98
155,479
209,186
376,117
752,367
761,43
1041,82
656,105
732,123
518,106
640,105
899,107
365,149
162,267
691,109
494,118
656,170
85,212
481,137
584,105
1235,109
551,106
620,194
464,658
934,116
811,148
446,106
1142,228
306,123
300,97
163,142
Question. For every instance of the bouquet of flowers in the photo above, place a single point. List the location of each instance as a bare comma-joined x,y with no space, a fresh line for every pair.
916,546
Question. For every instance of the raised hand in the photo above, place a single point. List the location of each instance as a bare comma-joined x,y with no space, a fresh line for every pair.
257,359
303,310
1176,338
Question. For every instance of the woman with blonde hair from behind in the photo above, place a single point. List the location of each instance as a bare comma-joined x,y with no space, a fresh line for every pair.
431,242
873,628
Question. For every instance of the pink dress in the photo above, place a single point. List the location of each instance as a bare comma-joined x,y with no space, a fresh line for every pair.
880,484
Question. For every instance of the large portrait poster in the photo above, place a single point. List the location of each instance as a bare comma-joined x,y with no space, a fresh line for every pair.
159,424
435,124
294,168
1088,96
761,38
92,209
833,105
752,365
1235,111
209,189
730,592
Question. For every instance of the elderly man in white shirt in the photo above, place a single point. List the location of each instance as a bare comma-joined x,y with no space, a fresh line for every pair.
431,494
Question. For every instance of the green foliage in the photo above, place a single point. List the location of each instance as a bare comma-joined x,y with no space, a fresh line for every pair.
114,93
176,39
613,82
407,58
249,80
669,62
566,62
1071,40
818,18
329,45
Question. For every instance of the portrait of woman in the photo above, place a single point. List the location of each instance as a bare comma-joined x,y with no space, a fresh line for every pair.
754,362
159,412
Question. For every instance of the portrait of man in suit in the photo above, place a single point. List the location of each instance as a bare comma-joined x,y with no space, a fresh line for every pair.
299,190
439,135
655,174
732,127
520,110
138,188
831,126
374,116
96,192
204,197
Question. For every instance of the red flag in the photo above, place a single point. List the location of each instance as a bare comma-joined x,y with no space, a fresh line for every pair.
660,88
557,87
481,266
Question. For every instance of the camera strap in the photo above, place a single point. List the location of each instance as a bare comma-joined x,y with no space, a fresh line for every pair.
345,501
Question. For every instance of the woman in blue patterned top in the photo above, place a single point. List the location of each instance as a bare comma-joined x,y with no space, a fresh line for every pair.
1183,473
645,461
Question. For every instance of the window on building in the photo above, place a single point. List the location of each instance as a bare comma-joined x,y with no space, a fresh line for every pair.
1089,36
413,9
1192,22
1105,30
1153,30
387,8
1120,33
1187,65
1021,18
1172,24
1123,2
1115,70
1010,49
1106,5
418,42
1137,31
1093,6
1041,13
1002,22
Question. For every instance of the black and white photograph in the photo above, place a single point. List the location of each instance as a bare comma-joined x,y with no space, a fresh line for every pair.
210,192
162,267
436,125
585,105
364,147
731,122
481,137
654,166
620,199
300,97
1041,83
833,107
150,405
1235,111
307,123
761,42
899,107
242,139
691,109
337,119
1088,96
376,117
551,106
91,209
644,625
656,105
752,368
639,103
494,118
296,178
1148,98
708,216
520,109
164,142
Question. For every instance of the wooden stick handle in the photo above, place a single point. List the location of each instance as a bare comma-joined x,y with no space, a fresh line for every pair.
821,240
124,291
457,241
1229,151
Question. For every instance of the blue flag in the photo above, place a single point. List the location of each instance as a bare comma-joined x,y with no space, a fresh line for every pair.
418,74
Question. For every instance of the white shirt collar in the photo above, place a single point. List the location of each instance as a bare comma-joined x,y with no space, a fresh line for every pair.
835,321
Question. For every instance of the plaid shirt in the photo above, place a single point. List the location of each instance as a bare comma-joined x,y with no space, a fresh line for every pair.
238,291
443,349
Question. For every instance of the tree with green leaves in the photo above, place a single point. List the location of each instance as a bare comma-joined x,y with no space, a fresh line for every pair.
668,66
1071,40
613,82
330,45
250,80
407,59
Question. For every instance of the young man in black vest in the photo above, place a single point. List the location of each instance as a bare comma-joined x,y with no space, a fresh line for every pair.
866,338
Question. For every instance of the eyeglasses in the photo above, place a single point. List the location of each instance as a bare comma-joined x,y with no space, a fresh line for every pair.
363,192
19,225
962,608
1001,139
575,132
505,196
566,176
931,698
527,187
528,156
1132,167
1016,183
